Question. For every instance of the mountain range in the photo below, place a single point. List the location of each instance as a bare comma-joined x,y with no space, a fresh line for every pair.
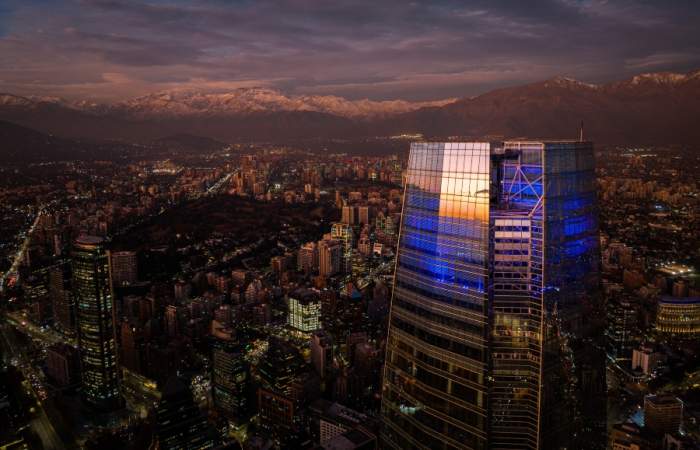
650,108
243,101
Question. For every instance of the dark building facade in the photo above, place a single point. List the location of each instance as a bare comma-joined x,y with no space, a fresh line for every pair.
230,380
179,424
95,322
62,298
497,265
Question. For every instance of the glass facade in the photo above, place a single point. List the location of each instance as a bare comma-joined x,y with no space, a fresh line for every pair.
516,261
95,322
179,425
230,379
497,251
573,410
435,387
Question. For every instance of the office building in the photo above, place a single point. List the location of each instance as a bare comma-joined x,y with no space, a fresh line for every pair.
124,268
621,328
179,424
497,263
307,258
321,352
172,321
304,313
363,215
645,360
663,413
348,215
335,419
344,233
62,298
95,322
330,256
277,408
63,364
230,379
364,246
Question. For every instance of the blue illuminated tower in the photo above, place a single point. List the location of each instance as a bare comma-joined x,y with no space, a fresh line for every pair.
497,265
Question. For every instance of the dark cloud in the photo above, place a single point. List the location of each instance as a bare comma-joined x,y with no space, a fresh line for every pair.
354,48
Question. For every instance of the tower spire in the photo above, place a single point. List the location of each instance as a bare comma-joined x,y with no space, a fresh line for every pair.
580,133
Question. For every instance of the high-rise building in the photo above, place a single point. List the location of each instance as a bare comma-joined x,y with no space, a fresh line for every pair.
179,424
363,215
645,359
124,268
172,321
230,378
330,254
277,409
663,413
497,262
344,233
133,347
621,327
338,199
95,322
321,352
348,215
364,246
307,258
63,364
62,297
304,313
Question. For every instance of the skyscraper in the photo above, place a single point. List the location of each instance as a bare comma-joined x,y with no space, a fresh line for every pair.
95,322
330,255
321,352
62,297
230,377
497,262
344,233
278,409
179,424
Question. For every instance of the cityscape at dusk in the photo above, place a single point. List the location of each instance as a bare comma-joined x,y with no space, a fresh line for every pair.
349,225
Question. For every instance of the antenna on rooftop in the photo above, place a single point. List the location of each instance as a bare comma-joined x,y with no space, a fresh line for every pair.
580,133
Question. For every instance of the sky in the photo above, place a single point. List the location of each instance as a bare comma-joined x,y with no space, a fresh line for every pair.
109,50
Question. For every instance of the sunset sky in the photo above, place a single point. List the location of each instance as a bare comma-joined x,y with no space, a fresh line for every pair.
379,49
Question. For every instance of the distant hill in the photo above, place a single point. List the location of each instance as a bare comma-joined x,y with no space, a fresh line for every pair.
20,144
647,109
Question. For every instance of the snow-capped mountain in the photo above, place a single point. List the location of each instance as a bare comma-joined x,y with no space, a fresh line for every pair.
15,101
665,78
257,100
645,109
237,102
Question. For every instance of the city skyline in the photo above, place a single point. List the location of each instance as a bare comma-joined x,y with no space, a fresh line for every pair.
349,225
253,291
